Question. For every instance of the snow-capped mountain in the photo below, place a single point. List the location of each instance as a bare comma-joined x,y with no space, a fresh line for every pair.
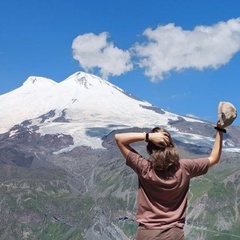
80,102
85,102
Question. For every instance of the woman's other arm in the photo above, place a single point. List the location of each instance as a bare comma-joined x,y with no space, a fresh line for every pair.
216,150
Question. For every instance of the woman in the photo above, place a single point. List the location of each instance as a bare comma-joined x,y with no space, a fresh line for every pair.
163,181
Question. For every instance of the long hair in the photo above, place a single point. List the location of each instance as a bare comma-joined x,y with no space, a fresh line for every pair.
163,158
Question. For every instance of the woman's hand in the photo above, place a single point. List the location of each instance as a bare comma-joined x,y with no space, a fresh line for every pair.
159,138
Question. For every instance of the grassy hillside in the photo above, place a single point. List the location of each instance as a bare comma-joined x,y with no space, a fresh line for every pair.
214,203
41,206
90,194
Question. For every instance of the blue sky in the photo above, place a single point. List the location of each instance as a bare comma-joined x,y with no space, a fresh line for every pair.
180,55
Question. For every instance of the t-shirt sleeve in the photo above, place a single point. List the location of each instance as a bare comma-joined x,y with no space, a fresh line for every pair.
196,167
137,162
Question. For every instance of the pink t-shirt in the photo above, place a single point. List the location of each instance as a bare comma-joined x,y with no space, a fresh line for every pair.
162,202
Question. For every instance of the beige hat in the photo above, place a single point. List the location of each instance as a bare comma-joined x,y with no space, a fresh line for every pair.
227,113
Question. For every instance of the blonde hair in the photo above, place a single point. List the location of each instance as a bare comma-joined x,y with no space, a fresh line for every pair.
163,158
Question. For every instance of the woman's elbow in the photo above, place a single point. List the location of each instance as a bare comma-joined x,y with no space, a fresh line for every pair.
213,161
116,136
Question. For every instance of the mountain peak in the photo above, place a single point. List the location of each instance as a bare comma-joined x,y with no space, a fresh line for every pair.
86,80
38,82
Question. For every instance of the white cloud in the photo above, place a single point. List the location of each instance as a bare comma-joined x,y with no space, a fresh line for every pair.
167,48
94,51
170,48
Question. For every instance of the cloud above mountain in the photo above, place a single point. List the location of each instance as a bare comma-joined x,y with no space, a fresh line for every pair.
171,48
96,52
163,50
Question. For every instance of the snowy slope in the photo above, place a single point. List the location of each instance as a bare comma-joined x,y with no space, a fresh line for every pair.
82,95
83,106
